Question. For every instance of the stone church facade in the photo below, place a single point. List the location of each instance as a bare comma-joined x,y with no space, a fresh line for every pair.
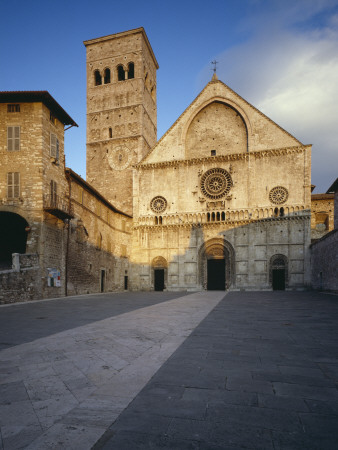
222,200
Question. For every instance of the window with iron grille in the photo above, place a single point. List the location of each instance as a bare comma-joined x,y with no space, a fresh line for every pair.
54,147
13,184
13,108
13,138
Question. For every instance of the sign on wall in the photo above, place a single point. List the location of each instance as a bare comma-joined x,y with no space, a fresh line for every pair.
54,277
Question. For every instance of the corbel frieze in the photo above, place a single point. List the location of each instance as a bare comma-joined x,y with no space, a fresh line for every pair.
222,158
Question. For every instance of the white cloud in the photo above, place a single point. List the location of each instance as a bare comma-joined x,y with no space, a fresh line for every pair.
291,76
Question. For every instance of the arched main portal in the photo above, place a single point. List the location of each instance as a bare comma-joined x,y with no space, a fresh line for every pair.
13,237
278,273
159,273
216,263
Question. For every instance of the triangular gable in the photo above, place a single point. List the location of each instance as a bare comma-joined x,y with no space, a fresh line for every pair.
263,133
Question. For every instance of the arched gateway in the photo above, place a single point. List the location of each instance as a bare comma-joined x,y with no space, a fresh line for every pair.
216,264
160,273
13,237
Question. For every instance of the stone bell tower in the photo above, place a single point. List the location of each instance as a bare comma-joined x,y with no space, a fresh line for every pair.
121,111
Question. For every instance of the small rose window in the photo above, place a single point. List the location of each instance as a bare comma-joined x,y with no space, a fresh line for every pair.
158,204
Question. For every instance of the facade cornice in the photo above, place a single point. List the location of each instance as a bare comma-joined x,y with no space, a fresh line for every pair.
225,158
223,223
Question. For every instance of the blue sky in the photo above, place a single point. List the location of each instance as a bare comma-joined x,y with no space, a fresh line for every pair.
280,55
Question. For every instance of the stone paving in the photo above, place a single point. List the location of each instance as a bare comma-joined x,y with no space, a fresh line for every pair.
63,383
253,370
259,372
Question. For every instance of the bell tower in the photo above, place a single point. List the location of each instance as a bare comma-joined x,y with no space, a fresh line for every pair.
121,111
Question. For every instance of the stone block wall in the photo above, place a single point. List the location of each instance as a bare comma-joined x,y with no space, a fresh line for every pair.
99,242
324,262
322,215
252,244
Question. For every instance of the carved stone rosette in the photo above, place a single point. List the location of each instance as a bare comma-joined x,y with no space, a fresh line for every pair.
158,204
278,195
216,183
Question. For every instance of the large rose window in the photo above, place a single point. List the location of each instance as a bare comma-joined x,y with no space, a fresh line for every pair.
216,183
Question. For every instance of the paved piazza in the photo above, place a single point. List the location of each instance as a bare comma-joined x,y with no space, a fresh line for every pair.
254,370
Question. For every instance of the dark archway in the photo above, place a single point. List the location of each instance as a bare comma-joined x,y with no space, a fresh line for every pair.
160,273
216,274
278,273
13,237
217,265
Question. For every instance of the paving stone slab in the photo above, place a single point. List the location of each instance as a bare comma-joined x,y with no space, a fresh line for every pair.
275,389
63,390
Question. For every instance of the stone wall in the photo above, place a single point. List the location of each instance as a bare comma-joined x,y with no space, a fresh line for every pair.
121,114
99,241
252,243
324,262
322,215
22,282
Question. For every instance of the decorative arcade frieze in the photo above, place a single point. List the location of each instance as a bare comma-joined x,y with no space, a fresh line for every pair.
225,158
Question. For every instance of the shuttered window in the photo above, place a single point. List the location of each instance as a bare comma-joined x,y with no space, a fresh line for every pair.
13,185
54,146
13,108
13,138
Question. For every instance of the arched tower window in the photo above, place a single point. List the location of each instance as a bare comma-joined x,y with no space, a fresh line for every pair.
107,76
131,71
97,78
121,76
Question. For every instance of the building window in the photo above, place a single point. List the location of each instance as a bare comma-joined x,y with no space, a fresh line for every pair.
110,133
80,195
98,209
52,118
97,78
53,192
107,76
131,71
13,108
99,241
54,147
120,73
13,185
13,138
213,152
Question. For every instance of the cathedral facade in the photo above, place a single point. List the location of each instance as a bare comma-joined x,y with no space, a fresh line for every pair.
221,201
